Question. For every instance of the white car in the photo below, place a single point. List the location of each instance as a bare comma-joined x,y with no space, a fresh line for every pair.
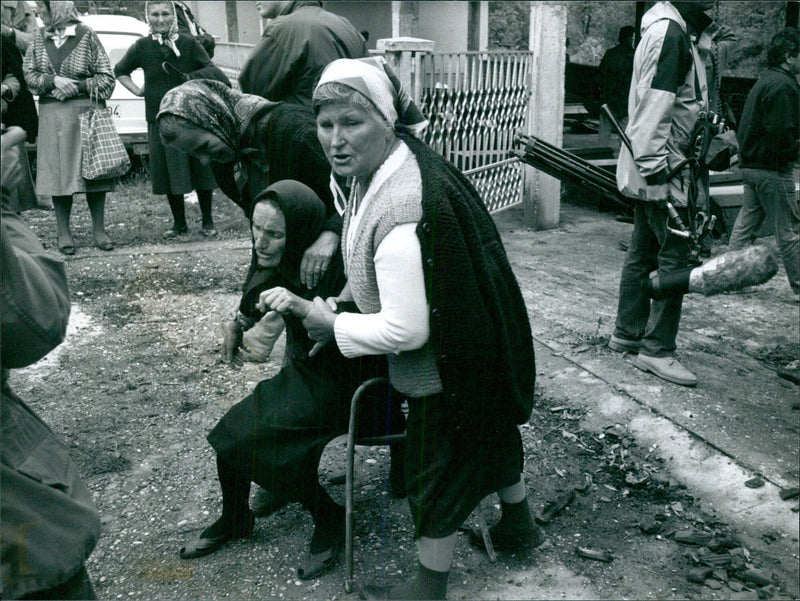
117,33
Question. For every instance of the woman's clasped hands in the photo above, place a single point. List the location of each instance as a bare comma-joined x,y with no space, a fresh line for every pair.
64,88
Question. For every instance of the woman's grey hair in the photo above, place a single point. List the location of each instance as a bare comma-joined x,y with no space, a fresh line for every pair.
338,93
169,125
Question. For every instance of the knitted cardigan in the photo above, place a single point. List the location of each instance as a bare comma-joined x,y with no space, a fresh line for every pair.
84,59
480,331
396,202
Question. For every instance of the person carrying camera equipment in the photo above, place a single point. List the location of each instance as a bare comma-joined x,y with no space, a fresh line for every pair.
668,92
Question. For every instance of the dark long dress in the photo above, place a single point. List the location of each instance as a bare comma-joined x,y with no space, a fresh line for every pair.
277,434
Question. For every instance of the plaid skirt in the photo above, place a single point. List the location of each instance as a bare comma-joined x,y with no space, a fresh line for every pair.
58,150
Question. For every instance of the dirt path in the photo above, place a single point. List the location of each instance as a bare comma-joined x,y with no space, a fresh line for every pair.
138,385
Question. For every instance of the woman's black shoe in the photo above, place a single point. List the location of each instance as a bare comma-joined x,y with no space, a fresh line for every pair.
206,545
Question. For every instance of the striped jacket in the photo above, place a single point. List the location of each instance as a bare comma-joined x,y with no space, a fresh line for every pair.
82,58
667,93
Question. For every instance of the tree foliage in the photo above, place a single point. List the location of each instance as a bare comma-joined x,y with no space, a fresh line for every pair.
592,28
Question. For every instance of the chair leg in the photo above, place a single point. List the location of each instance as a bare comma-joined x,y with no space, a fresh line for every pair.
487,537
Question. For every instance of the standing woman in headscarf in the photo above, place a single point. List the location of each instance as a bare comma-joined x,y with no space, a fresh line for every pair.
426,267
69,70
164,56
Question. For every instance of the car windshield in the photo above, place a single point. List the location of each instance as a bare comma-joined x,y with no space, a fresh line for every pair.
116,44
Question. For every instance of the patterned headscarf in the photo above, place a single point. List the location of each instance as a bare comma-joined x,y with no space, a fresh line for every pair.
214,107
62,14
374,78
168,39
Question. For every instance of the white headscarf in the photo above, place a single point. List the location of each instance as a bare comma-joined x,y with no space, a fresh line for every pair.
171,36
375,79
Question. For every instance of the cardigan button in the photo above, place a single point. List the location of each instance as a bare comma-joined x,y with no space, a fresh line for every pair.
429,262
436,312
425,226
443,359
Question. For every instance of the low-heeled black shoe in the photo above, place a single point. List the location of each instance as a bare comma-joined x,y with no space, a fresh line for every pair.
206,545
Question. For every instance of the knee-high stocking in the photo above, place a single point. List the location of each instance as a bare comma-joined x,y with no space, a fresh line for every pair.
204,200
327,514
97,209
63,210
235,499
178,212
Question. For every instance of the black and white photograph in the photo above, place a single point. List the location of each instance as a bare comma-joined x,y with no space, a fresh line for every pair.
417,299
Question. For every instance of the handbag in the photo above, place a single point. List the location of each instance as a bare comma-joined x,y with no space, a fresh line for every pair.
103,155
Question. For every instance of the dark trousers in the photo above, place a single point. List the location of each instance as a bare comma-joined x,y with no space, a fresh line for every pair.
652,247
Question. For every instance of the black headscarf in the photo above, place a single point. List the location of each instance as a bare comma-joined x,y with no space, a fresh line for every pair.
304,213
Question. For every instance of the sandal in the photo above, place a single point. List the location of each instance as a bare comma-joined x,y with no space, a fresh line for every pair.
174,233
316,564
68,248
105,245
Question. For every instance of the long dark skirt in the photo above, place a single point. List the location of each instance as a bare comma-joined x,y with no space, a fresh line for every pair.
276,435
449,469
174,172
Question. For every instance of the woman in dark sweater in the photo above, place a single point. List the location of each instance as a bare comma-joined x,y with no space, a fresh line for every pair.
275,436
166,56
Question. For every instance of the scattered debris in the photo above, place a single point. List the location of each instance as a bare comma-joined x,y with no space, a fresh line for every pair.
698,574
754,483
789,493
649,525
756,576
553,508
594,554
693,538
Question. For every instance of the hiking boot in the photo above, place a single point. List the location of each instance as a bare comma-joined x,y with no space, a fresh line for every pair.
620,345
666,368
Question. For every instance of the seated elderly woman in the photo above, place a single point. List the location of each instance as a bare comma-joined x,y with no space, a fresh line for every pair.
427,269
275,436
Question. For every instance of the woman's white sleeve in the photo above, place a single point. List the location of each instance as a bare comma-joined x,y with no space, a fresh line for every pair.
402,323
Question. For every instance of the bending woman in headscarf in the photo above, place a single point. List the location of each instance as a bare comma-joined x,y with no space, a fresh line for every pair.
68,68
251,142
426,267
164,56
275,436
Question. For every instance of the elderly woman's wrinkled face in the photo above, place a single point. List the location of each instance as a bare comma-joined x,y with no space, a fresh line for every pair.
160,16
355,141
269,234
202,145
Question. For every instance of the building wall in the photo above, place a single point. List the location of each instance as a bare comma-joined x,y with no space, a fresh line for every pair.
445,23
374,17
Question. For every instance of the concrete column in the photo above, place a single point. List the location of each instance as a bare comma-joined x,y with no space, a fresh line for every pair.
403,55
405,16
548,33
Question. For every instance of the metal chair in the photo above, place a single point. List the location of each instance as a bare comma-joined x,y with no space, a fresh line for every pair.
354,439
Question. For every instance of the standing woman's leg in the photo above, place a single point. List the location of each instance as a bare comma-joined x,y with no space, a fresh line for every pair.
178,210
97,209
204,199
63,210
